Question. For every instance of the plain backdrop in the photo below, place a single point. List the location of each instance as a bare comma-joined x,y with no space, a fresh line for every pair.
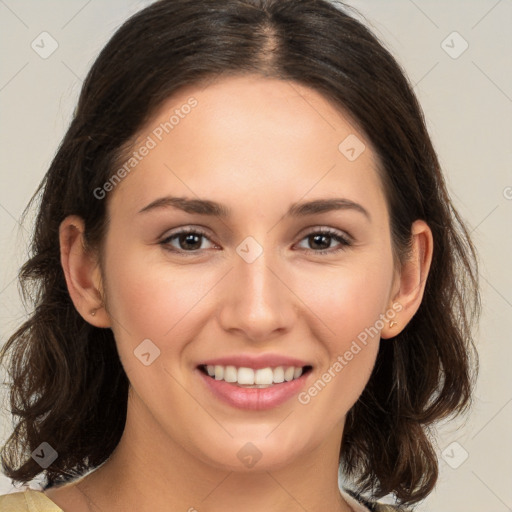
458,56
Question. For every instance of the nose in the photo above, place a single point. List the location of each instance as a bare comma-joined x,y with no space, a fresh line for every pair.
257,303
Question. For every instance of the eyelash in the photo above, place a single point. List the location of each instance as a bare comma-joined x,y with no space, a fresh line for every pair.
343,240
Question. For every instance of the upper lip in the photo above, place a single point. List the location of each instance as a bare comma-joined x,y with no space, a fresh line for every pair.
256,361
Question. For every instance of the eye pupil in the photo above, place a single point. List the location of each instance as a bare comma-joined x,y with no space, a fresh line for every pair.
317,240
190,239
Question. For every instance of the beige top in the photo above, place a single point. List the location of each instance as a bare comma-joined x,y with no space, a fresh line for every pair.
27,501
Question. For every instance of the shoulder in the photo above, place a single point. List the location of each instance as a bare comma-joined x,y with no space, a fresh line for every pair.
27,501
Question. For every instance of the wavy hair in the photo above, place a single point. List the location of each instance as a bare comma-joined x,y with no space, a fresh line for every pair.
67,384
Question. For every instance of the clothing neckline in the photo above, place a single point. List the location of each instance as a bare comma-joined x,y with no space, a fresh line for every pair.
355,505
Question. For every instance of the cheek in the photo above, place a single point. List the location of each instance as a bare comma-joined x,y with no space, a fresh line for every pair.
347,300
350,303
146,300
352,315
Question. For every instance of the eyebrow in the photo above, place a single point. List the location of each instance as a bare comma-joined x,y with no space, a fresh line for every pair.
212,208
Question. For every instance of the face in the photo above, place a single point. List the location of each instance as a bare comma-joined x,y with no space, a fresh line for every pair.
264,283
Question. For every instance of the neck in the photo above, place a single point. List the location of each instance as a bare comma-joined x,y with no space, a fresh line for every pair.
151,472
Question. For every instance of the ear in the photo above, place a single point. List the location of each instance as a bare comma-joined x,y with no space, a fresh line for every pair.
82,272
409,285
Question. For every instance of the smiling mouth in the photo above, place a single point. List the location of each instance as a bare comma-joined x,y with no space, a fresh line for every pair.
254,378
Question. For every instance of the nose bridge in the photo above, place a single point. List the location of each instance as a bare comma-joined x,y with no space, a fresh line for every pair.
257,301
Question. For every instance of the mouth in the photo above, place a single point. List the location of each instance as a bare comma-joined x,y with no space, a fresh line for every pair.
253,389
260,378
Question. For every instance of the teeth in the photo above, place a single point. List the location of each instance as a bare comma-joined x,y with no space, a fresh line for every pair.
219,372
248,377
264,376
289,373
245,376
278,374
230,374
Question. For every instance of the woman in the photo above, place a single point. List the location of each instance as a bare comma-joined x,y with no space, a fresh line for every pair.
320,317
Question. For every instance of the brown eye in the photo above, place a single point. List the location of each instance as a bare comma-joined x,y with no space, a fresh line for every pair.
320,241
184,241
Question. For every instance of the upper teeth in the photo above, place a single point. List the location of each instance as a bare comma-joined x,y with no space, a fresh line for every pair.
250,377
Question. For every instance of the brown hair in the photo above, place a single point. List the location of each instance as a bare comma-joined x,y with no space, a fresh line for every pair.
68,385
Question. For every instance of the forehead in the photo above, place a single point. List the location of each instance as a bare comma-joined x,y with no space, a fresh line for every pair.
251,135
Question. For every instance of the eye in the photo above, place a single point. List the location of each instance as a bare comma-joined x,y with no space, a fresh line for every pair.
187,240
322,238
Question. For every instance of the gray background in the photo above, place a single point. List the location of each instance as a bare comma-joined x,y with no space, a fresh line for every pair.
467,99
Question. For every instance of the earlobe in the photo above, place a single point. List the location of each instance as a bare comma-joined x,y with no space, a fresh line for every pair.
412,279
81,271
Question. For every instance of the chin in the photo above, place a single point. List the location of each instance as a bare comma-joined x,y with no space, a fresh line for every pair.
254,453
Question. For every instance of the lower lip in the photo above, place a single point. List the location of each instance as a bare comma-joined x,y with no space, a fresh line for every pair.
255,399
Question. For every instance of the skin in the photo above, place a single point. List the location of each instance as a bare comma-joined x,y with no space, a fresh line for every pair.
256,145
